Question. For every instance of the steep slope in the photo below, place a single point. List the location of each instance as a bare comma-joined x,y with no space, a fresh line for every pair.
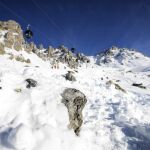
116,115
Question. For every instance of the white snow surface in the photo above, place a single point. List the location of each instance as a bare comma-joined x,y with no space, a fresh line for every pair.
35,118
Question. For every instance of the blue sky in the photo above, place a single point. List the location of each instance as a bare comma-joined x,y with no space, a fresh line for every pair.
88,25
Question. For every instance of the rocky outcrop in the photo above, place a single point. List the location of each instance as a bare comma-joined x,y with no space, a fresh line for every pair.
140,85
2,51
17,46
85,59
69,76
117,86
31,47
75,101
31,83
50,51
13,37
10,25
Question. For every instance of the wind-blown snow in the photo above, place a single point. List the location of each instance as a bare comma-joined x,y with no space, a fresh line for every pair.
35,119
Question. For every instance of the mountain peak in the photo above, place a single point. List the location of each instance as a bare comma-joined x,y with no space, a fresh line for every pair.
115,56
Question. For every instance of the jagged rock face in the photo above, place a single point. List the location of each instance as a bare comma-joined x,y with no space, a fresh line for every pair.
31,47
75,101
13,37
10,25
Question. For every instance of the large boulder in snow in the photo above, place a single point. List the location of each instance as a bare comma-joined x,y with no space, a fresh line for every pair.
31,83
75,101
69,76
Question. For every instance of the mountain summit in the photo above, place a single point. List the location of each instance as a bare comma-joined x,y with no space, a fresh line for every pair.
118,57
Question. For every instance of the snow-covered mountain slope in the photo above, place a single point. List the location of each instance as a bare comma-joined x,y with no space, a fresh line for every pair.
35,118
122,57
115,117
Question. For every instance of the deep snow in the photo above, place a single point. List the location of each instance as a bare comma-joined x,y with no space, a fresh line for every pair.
35,118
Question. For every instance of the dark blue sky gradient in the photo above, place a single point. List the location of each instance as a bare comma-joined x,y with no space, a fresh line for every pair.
88,25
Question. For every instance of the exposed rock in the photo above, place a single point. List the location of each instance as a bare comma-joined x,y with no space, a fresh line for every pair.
50,51
69,76
19,38
9,35
82,58
72,63
12,25
19,58
18,90
75,101
28,61
13,36
140,85
11,56
117,86
85,59
8,43
42,56
63,48
31,83
17,46
28,48
2,51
